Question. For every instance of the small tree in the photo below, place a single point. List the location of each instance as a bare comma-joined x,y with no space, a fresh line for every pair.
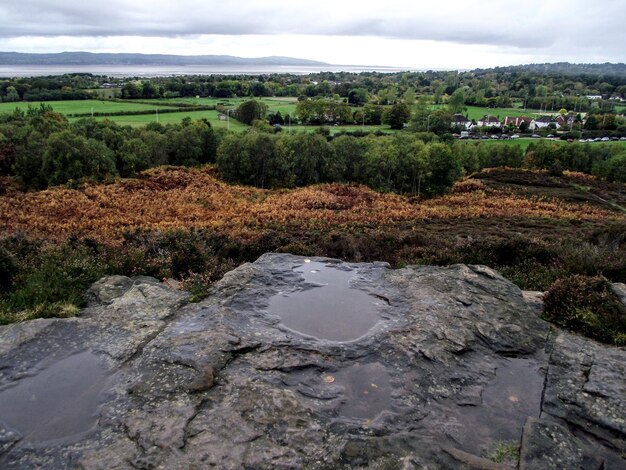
249,111
456,102
398,115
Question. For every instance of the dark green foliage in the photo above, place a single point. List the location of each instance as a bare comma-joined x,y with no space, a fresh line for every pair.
254,159
587,305
401,163
445,169
397,116
250,111
134,156
357,96
616,168
8,270
51,282
70,157
311,157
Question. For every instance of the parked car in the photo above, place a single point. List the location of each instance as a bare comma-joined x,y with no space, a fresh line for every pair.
535,136
515,136
605,139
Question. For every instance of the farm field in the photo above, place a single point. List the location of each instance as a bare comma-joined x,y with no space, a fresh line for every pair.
286,105
168,118
81,106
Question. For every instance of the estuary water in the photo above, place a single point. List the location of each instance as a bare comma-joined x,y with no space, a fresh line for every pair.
170,70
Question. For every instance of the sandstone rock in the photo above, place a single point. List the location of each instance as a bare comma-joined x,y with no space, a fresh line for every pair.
310,363
534,299
619,288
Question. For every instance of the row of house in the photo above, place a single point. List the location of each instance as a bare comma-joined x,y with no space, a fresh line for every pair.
460,121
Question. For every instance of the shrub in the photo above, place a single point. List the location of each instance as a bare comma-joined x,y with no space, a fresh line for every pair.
8,269
52,283
587,305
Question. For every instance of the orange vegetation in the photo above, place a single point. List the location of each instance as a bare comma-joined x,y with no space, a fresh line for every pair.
172,198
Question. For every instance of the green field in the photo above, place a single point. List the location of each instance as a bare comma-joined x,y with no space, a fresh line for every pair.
168,118
82,106
285,105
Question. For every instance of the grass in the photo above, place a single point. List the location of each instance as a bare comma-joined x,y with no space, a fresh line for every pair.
506,453
68,107
80,106
286,105
143,119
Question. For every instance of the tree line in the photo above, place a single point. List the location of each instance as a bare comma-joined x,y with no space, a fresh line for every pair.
41,148
563,86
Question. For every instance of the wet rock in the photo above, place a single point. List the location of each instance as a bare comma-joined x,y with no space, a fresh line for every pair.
296,363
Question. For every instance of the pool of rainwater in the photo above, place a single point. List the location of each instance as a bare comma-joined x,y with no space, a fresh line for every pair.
58,401
328,307
513,395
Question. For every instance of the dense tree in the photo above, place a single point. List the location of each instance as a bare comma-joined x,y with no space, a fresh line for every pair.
350,151
70,157
439,122
397,116
456,102
445,169
134,156
250,111
11,95
616,168
357,96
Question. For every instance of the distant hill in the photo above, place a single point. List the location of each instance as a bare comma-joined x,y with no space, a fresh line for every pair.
89,58
562,68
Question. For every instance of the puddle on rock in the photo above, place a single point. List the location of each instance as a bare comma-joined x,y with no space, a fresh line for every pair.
507,401
367,390
60,401
333,311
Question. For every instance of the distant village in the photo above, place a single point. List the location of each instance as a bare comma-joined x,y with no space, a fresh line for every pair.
507,127
521,123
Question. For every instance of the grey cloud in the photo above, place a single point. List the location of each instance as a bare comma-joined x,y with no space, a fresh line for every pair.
532,24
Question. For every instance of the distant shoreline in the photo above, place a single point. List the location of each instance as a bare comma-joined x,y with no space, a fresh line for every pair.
169,70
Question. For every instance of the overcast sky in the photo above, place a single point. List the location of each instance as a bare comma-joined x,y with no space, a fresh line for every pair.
404,33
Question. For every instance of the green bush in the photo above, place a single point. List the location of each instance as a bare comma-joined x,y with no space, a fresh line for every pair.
587,305
51,283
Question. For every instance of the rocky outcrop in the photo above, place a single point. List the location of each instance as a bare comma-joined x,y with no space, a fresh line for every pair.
296,363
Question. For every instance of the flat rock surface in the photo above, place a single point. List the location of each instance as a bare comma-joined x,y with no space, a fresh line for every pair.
310,363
